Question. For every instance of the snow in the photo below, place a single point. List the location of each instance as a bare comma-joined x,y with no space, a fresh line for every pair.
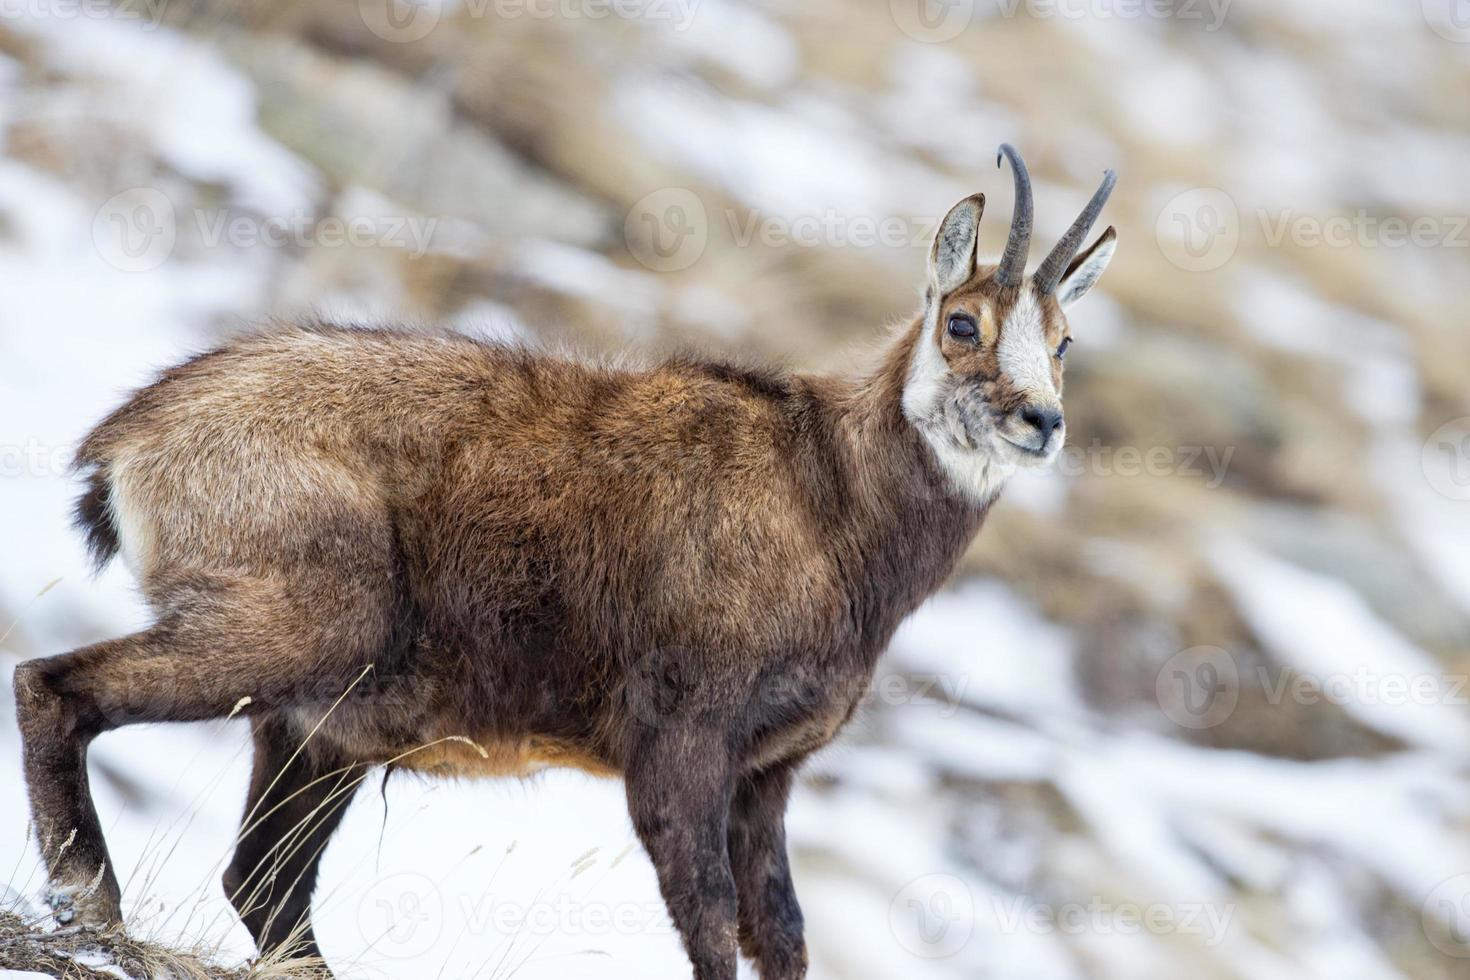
974,746
578,272
928,82
786,164
1379,378
101,964
193,109
739,39
1171,100
1321,628
1427,498
1016,661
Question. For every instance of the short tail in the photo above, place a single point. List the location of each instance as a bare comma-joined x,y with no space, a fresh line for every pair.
93,517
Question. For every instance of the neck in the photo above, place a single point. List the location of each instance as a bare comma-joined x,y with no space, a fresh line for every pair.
909,523
900,404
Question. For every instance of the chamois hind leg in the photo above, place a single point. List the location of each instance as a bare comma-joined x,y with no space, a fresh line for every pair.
221,645
299,791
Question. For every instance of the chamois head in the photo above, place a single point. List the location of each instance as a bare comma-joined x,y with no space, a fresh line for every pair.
985,378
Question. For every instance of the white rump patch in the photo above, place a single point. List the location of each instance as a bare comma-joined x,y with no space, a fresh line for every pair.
133,524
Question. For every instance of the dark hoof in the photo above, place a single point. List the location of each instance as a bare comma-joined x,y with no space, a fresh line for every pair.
80,907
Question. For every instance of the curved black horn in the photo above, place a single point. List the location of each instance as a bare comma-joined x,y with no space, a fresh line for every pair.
1013,261
1056,263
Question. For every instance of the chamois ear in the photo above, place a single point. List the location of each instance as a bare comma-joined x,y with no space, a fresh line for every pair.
952,259
1087,268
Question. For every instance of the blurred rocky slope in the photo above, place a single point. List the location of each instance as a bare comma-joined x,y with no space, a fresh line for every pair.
1264,497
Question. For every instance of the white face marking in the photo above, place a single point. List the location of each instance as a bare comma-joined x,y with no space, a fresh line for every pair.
1025,356
978,472
927,371
978,462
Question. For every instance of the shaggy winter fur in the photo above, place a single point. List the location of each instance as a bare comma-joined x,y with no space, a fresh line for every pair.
478,560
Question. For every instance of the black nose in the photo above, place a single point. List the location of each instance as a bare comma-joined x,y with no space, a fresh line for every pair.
1043,420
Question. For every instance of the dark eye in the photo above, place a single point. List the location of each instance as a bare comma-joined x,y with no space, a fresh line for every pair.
962,326
1062,350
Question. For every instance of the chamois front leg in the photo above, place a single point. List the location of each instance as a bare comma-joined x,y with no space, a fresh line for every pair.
770,917
679,790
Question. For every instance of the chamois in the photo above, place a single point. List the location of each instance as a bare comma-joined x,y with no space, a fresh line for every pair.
433,553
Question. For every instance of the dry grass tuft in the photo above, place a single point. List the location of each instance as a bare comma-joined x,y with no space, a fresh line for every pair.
88,955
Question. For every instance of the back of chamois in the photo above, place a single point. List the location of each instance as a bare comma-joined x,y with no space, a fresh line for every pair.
427,552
